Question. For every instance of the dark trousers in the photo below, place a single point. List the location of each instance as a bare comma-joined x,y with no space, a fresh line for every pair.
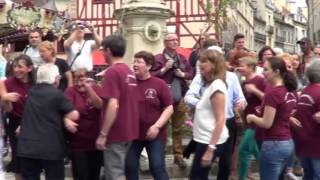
11,131
86,165
155,150
226,157
198,172
32,168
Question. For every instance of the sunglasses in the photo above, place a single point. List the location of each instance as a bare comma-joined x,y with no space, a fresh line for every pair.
49,13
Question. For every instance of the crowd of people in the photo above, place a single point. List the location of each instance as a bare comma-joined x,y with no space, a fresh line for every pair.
244,105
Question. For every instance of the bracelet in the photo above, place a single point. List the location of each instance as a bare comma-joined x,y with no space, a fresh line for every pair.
103,134
212,147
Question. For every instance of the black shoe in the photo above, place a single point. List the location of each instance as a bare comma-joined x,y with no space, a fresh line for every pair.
180,162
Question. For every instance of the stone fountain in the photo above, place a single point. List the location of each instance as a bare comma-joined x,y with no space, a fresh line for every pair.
143,24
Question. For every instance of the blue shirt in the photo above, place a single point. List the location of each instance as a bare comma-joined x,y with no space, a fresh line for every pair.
235,93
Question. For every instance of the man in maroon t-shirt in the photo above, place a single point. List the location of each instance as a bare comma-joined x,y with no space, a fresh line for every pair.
120,122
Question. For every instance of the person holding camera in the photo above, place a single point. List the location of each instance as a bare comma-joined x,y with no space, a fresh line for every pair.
173,68
78,49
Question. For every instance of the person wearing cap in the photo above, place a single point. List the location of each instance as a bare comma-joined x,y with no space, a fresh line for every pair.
307,53
78,49
174,69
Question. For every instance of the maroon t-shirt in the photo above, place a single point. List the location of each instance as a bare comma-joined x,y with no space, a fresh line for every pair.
284,102
14,85
89,121
155,96
253,100
120,83
259,132
307,138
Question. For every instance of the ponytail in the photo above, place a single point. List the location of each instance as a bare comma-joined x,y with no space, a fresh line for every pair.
290,81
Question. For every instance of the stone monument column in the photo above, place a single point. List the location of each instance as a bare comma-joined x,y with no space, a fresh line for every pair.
143,24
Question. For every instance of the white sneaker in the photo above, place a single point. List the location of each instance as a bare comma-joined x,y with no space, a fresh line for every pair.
291,176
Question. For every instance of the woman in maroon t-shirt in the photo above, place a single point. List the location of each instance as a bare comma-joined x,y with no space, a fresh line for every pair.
155,109
13,93
307,135
253,87
279,102
86,159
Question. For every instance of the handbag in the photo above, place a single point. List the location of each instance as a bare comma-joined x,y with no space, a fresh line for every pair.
176,89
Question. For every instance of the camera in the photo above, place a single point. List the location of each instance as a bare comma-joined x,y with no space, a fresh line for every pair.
79,25
176,65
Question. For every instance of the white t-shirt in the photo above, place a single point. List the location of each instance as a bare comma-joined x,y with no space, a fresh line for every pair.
204,118
33,53
84,60
259,70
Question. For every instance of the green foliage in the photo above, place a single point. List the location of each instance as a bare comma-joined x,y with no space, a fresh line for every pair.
216,11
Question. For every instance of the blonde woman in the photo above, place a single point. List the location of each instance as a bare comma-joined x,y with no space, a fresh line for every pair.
48,55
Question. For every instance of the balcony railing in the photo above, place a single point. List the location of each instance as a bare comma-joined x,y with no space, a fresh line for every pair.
280,39
259,36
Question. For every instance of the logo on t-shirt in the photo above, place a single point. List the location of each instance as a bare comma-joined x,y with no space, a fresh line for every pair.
306,100
131,80
150,93
290,98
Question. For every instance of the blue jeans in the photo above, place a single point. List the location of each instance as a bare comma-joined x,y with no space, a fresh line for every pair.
155,151
274,157
311,168
198,172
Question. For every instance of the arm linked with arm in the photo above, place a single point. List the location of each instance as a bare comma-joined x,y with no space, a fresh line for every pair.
5,104
192,96
238,97
266,120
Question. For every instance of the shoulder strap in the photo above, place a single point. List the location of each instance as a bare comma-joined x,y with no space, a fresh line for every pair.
78,54
26,49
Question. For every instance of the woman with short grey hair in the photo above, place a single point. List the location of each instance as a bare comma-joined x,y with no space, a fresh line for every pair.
307,134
